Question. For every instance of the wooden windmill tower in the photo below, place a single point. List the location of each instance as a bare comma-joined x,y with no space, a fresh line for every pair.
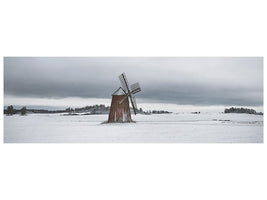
120,109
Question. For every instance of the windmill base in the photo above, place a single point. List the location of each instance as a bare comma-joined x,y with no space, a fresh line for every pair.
106,122
119,112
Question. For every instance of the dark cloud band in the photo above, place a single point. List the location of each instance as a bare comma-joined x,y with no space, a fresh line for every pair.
197,81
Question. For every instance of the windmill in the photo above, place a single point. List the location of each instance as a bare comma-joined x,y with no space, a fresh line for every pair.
120,109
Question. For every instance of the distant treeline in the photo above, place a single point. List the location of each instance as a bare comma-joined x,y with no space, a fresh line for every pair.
95,109
160,112
242,110
91,110
11,111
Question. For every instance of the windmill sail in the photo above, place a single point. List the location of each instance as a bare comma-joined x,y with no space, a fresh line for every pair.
129,91
134,103
124,82
126,96
135,88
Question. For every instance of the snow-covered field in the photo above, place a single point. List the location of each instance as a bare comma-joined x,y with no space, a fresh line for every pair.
209,127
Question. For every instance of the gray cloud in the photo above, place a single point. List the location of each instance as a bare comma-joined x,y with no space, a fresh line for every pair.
197,81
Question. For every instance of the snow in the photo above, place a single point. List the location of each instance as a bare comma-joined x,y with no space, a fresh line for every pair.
162,128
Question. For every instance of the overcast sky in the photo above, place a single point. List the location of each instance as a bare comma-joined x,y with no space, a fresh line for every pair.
183,81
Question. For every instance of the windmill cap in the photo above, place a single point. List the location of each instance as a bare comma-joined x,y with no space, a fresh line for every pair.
118,92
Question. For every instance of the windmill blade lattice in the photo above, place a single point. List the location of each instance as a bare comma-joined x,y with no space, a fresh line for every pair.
135,88
124,82
134,102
